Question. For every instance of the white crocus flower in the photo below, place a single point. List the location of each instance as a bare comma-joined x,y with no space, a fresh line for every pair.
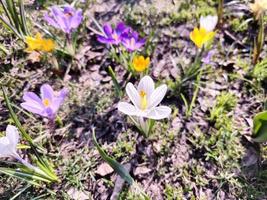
8,147
145,100
209,22
8,144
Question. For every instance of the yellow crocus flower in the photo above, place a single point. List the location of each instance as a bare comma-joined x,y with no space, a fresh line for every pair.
200,36
140,63
258,7
37,43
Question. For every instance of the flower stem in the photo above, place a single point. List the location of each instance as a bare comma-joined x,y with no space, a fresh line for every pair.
144,124
118,90
28,165
220,12
69,45
259,41
58,121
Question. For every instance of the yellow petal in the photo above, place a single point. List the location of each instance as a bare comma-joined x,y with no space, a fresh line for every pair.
201,36
39,44
32,43
48,45
38,36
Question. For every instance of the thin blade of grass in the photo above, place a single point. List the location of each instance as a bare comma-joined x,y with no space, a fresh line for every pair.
20,192
27,175
115,82
16,17
11,9
113,163
11,27
47,168
15,118
3,3
23,17
3,49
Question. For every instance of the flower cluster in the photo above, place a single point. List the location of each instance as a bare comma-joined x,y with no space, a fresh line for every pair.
121,35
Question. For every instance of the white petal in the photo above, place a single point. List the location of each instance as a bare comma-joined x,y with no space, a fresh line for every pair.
133,94
209,22
13,135
160,112
147,85
127,108
157,96
5,150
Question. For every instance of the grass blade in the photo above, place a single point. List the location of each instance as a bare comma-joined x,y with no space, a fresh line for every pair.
119,169
11,27
20,192
23,17
6,10
2,48
115,82
16,16
15,118
28,176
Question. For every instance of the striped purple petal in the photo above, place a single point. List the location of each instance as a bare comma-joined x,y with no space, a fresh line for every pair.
47,92
34,108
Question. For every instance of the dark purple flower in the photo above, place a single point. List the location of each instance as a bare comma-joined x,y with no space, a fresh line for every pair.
132,42
113,36
67,18
46,106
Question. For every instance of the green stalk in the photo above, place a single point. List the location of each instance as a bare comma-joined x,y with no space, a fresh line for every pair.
23,17
220,12
192,104
259,41
11,27
15,119
6,10
113,163
2,48
12,9
119,169
115,82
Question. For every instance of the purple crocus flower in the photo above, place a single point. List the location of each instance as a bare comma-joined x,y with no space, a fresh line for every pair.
46,106
113,36
132,42
207,59
67,18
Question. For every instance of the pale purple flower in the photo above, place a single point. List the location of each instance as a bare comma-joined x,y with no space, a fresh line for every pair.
67,18
208,57
132,42
113,36
47,105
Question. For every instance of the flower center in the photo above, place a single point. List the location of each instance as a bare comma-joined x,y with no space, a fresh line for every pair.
143,99
68,14
46,102
132,42
115,36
